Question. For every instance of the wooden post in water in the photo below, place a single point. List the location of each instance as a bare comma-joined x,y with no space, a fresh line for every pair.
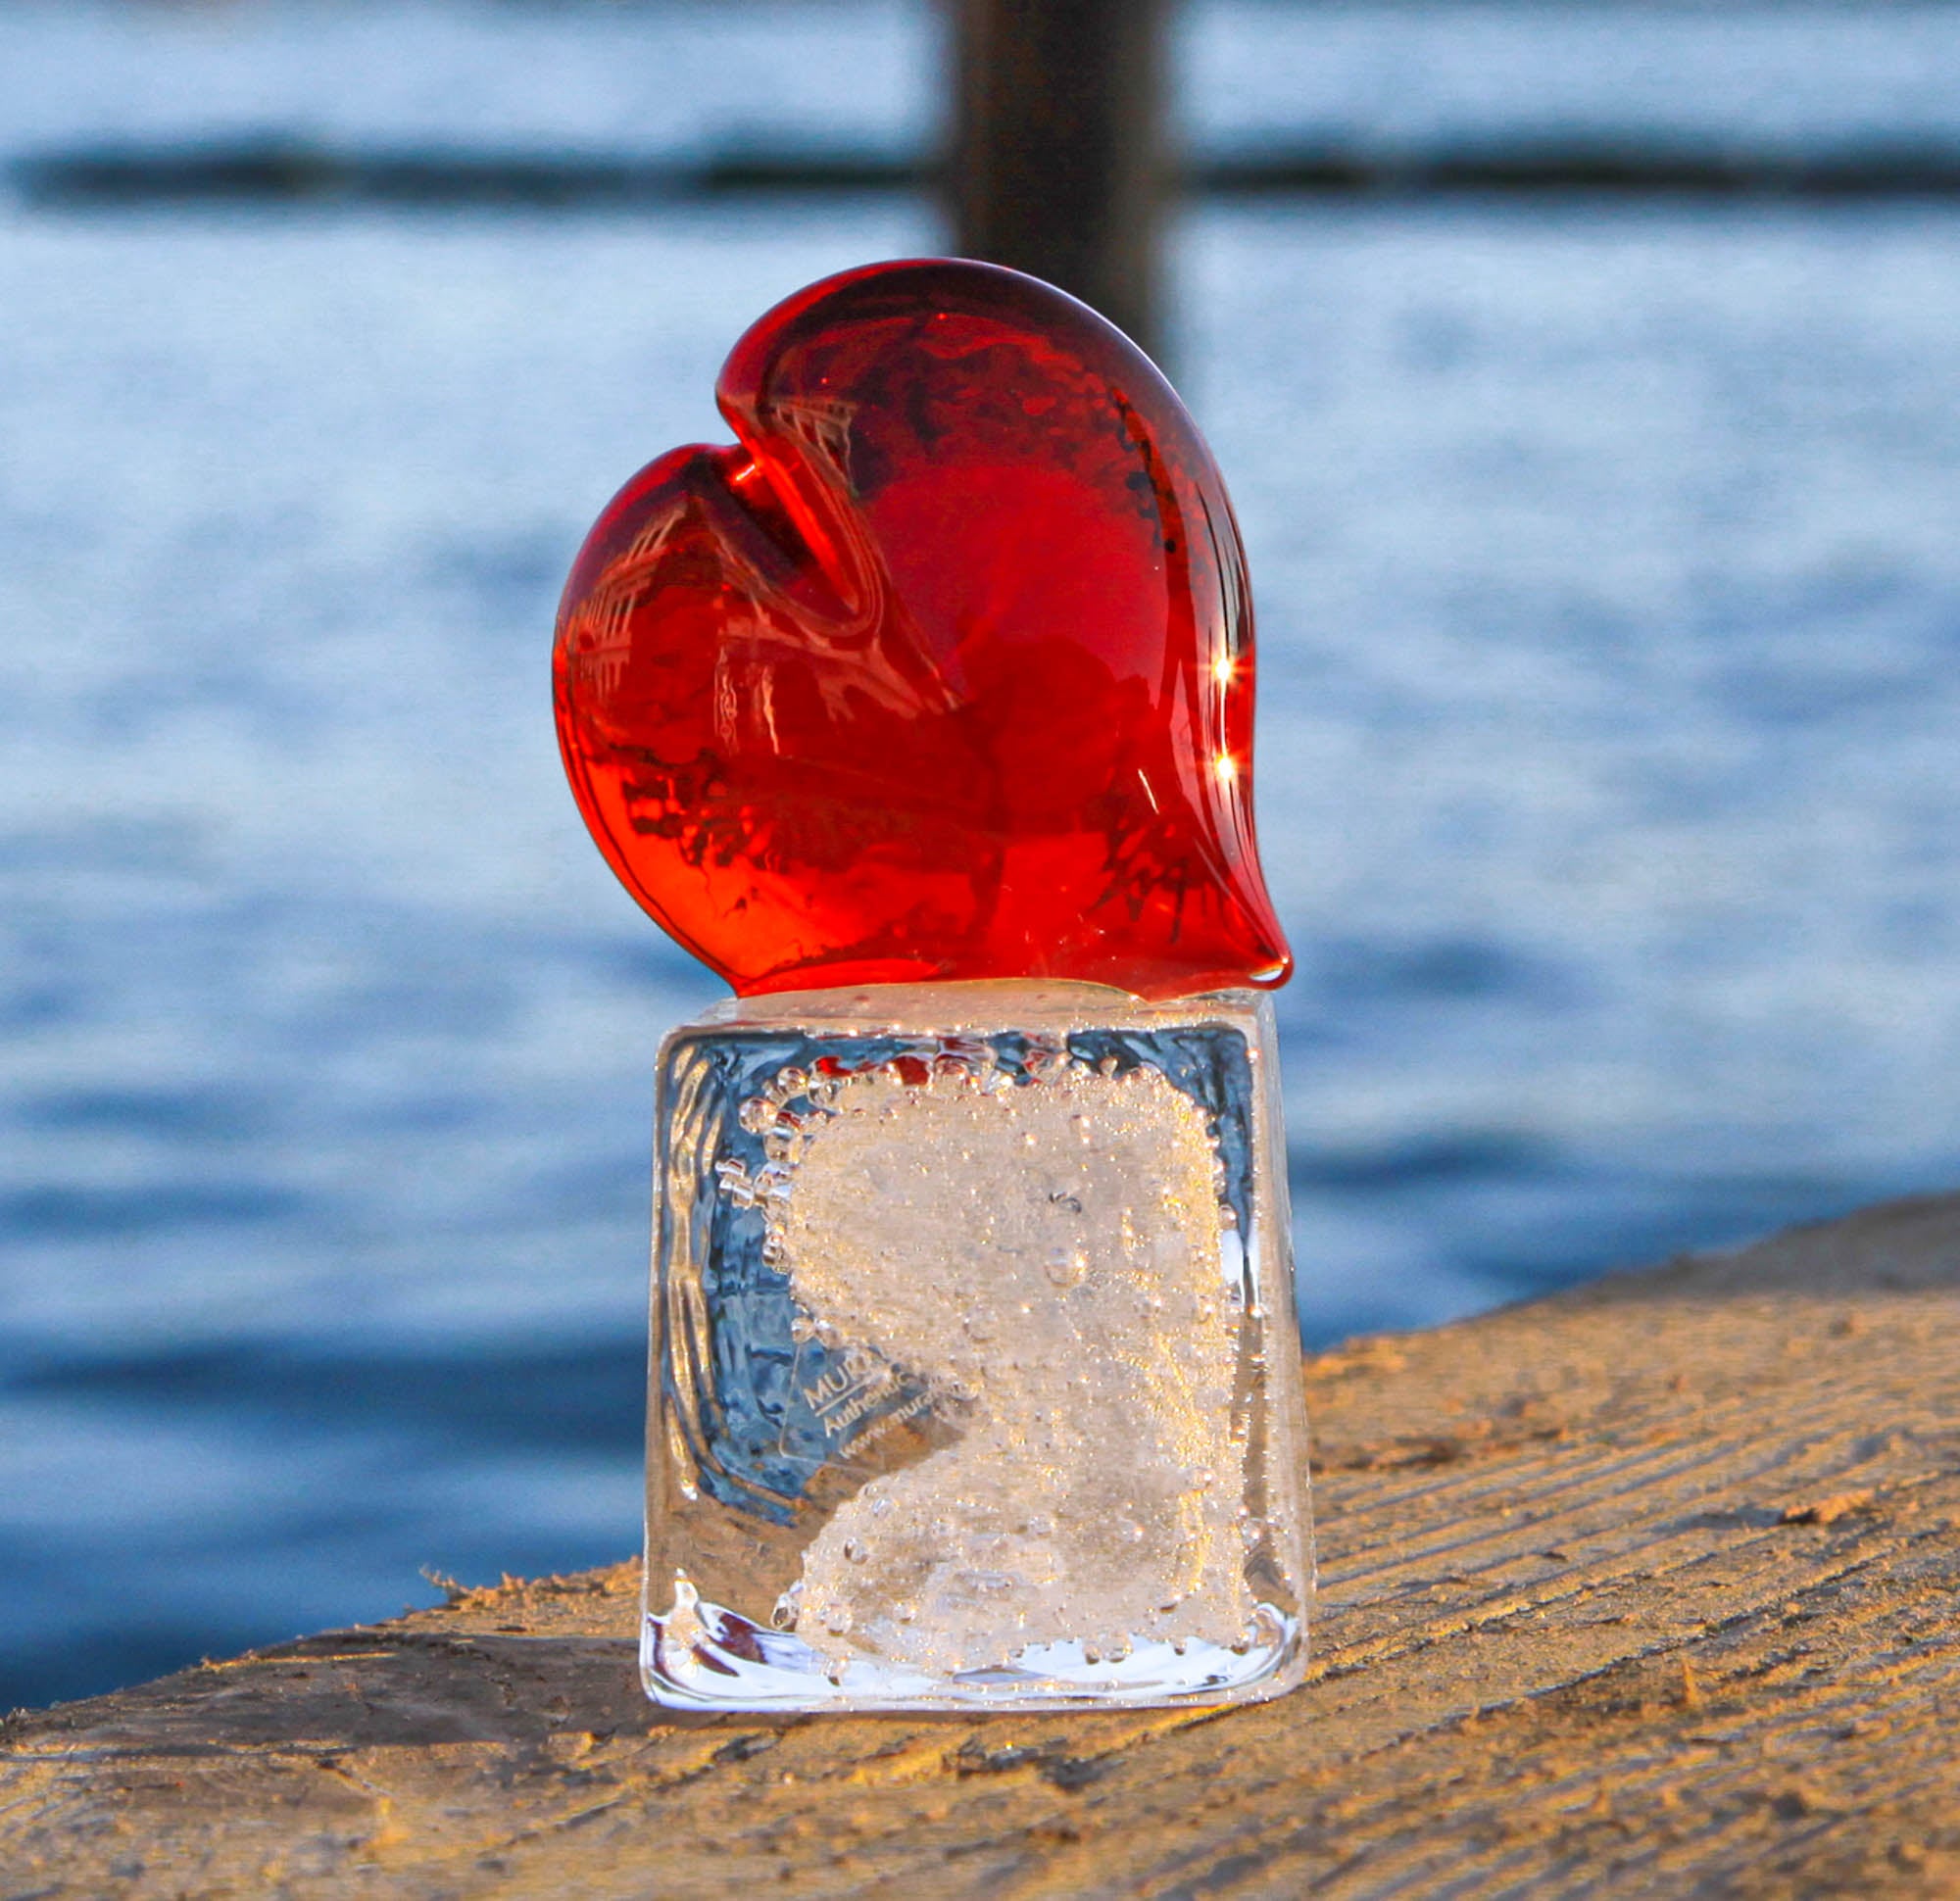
1057,160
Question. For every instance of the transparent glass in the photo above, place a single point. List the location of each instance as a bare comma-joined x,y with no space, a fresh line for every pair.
975,1373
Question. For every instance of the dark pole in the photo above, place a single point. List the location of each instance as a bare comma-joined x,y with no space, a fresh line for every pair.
1058,152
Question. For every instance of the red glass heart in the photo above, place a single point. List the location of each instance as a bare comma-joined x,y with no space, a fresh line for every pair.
946,671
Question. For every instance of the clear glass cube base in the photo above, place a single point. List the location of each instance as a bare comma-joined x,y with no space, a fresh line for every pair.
975,1373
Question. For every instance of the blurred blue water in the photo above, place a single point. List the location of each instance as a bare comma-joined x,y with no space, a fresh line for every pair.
1608,599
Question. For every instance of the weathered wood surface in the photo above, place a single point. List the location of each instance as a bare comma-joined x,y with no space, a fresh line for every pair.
1651,1589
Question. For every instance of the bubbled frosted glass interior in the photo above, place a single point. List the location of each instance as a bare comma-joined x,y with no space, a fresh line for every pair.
976,1380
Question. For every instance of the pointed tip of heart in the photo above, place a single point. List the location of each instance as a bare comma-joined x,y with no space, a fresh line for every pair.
945,673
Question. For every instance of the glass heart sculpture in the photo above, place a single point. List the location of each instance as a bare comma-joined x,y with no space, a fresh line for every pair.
942,671
924,716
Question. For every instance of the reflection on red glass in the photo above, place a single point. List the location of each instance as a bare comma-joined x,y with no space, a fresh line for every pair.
946,671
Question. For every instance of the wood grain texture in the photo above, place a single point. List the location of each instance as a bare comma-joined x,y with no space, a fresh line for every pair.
1650,1589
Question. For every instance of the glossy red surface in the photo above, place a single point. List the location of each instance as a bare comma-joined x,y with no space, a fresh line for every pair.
945,671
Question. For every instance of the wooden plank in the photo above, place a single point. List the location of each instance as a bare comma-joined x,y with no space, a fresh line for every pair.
1057,160
1650,1589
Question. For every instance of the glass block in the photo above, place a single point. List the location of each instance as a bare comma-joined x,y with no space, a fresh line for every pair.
975,1377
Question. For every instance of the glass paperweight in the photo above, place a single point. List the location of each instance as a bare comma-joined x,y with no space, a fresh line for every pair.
977,1374
946,671
924,717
